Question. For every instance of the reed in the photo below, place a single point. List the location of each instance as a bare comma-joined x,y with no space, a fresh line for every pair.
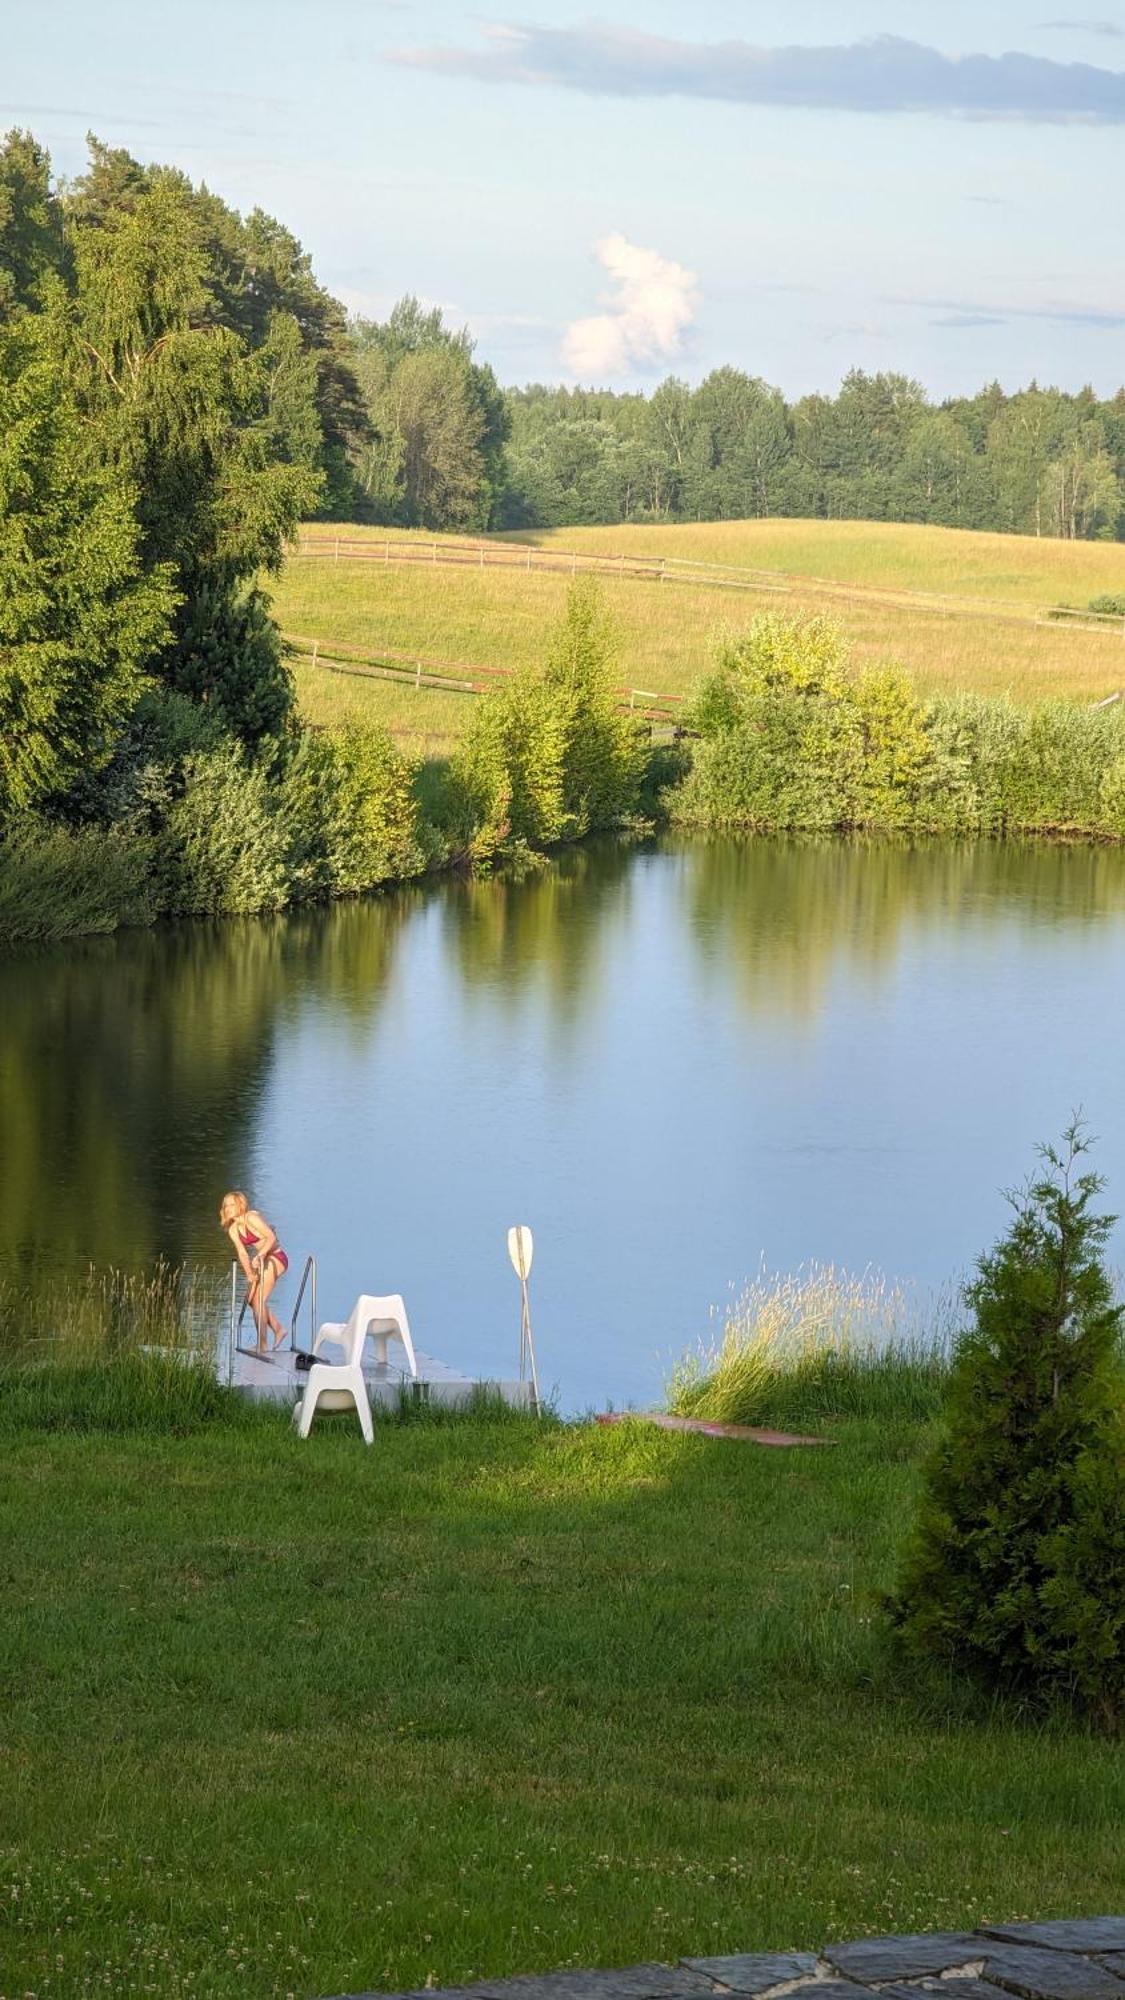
822,1342
114,1351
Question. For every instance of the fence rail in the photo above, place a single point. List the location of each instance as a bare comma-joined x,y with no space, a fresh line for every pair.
451,676
316,545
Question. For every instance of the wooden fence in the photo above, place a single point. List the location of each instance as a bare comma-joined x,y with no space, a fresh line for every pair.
453,676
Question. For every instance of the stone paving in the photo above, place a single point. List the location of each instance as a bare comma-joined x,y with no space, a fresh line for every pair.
1080,1958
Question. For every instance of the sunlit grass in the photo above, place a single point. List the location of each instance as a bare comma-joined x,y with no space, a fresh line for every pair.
296,1719
814,1344
502,617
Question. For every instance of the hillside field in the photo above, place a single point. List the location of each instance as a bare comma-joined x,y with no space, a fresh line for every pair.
955,609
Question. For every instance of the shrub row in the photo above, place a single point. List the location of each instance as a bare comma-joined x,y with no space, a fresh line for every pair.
788,739
188,821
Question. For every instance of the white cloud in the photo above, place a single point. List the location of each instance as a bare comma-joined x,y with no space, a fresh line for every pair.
652,304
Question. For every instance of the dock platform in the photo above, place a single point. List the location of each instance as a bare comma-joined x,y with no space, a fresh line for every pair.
279,1380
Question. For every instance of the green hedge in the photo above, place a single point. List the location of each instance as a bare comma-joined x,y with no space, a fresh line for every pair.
790,740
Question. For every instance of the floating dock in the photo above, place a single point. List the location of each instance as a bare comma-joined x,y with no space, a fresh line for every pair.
279,1380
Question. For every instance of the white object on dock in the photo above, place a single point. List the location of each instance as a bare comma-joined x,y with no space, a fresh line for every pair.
384,1318
338,1384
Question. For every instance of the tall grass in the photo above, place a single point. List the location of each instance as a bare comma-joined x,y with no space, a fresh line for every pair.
113,1351
818,1343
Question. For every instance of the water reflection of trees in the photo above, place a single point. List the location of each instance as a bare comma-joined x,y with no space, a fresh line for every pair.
132,1068
546,933
785,913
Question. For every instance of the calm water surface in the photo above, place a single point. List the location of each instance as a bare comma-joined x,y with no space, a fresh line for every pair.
672,1062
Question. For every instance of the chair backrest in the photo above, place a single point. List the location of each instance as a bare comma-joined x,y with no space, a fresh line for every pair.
384,1313
369,1314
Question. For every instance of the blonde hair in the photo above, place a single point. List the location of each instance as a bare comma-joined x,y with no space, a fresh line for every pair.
238,1202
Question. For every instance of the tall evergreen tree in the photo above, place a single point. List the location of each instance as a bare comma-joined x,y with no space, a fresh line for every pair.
81,614
1015,1571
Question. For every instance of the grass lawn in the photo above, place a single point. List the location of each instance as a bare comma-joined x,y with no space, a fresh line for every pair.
502,617
286,1719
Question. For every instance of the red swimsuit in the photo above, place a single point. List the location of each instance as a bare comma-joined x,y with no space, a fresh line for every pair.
276,1256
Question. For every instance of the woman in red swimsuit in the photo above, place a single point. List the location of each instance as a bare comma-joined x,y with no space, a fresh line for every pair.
262,1259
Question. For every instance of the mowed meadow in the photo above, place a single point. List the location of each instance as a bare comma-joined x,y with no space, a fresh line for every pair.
955,610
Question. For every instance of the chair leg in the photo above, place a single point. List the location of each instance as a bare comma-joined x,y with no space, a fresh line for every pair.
363,1412
308,1405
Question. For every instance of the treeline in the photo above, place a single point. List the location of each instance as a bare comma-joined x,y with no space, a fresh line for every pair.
176,393
447,449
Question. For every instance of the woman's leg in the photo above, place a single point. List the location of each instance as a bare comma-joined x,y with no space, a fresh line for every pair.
256,1301
268,1281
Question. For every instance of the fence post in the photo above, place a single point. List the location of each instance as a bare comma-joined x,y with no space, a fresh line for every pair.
529,555
417,673
482,555
316,649
387,550
337,549
573,561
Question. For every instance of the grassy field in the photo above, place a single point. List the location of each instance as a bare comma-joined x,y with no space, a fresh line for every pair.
286,1720
501,617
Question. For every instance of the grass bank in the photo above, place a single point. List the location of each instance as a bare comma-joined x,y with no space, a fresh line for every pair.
286,1719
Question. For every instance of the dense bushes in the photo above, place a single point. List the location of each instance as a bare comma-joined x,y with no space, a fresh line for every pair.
551,757
186,820
56,884
790,740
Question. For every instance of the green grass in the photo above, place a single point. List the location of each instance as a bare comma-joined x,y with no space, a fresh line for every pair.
285,1719
502,617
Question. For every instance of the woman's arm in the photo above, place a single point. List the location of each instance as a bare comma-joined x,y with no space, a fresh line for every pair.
239,1248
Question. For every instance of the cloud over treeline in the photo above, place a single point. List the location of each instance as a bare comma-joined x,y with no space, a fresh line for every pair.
885,73
652,303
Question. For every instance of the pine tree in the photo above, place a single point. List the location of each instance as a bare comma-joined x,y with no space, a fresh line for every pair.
1015,1571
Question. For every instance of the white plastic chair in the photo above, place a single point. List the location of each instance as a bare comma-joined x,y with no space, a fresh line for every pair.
335,1385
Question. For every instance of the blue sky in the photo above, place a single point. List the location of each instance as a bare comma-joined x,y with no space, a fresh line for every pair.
649,188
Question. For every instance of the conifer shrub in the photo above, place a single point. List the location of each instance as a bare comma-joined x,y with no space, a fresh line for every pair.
507,775
377,834
1111,799
1014,1573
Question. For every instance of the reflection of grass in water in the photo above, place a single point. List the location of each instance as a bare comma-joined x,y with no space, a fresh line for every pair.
818,1343
113,1350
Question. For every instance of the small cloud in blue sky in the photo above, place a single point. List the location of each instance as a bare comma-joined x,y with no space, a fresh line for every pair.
969,319
973,312
651,304
880,74
1108,28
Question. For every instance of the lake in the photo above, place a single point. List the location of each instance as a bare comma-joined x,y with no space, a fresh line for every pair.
672,1060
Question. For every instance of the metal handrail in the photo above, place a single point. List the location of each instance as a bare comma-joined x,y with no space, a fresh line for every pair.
308,1272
